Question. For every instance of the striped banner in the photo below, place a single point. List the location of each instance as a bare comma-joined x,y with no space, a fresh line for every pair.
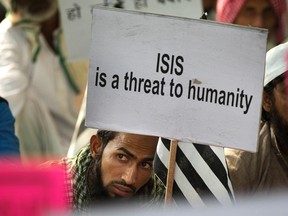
201,176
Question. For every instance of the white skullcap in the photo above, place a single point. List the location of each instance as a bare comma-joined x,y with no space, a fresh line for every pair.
276,62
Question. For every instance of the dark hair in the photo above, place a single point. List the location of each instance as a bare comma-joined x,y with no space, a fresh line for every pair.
269,90
94,173
106,136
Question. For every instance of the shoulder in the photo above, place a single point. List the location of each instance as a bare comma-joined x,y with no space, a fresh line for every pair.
54,163
234,156
7,29
246,168
62,168
5,25
10,35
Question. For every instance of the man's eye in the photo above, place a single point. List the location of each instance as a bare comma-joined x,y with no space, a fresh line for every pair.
121,157
146,165
269,12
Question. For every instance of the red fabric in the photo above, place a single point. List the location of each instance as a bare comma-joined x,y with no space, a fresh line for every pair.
31,190
227,10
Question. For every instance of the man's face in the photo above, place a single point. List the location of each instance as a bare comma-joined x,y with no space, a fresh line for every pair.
279,110
257,13
36,10
126,164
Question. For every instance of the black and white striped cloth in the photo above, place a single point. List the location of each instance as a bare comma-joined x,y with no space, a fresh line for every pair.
201,177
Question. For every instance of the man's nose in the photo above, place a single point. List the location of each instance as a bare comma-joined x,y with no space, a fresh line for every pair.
130,174
258,21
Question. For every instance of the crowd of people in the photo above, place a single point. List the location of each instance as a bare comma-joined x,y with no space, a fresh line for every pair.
42,95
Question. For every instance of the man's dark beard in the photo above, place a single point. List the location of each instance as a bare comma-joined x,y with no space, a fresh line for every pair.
95,184
280,127
98,194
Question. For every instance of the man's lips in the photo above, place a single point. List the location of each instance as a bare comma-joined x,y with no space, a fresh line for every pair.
122,190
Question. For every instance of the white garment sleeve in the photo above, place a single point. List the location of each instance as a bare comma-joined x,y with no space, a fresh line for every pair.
15,64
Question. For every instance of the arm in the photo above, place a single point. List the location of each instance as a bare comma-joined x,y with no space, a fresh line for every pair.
9,144
14,68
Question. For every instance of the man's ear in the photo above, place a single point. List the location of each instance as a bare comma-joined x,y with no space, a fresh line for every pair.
266,103
95,145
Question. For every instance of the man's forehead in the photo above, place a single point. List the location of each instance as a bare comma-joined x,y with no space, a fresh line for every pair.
283,78
135,142
129,137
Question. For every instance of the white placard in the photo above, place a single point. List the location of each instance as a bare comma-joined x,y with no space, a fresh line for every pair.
187,79
76,19
179,8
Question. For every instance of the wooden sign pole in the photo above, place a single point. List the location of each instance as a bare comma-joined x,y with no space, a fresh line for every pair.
171,171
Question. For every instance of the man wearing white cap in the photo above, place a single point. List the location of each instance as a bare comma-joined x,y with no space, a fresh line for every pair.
266,171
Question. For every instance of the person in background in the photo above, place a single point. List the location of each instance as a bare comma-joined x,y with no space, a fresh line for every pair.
9,143
209,6
35,78
266,171
115,167
268,14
